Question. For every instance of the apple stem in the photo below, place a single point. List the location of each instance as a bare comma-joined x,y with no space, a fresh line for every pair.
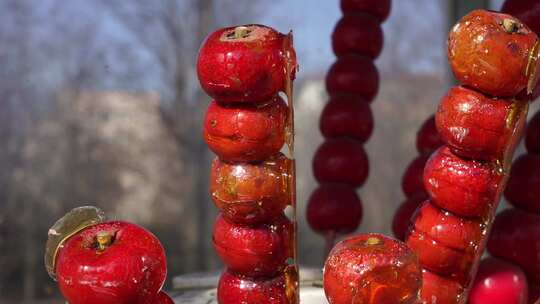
373,241
240,32
104,240
510,26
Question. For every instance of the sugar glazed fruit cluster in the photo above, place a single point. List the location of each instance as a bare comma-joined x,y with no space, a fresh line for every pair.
244,69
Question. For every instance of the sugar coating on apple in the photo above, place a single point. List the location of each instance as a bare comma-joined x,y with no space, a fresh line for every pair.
473,124
498,282
245,63
246,132
111,262
523,187
334,208
492,52
341,161
377,8
359,33
347,116
402,218
412,182
462,186
353,74
371,269
251,193
256,251
428,138
238,289
439,290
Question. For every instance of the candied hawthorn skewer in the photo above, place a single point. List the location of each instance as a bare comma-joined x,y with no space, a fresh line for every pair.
346,122
496,55
244,68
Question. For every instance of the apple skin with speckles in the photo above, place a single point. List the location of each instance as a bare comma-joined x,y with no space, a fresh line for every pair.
130,270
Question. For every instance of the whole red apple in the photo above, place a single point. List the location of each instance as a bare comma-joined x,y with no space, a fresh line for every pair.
440,290
377,8
412,182
359,33
347,116
428,138
353,74
111,263
403,215
498,282
523,187
244,63
372,269
238,289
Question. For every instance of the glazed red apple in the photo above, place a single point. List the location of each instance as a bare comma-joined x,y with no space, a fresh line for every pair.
163,298
111,263
428,138
515,237
490,51
244,63
403,215
246,132
412,182
359,33
474,125
377,8
463,186
523,187
353,74
237,289
439,290
371,269
498,282
532,135
341,161
251,193
347,116
254,251
334,207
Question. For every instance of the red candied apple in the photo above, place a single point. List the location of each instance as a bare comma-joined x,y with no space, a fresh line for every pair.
523,187
498,282
532,135
347,116
251,193
358,33
334,207
403,215
463,186
353,74
474,125
238,289
377,8
490,51
515,237
163,298
428,138
341,161
371,269
528,11
112,262
246,132
244,63
255,251
412,182
439,290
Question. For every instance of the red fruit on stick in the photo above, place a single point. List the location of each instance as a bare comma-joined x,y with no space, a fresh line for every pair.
253,250
244,63
238,289
462,186
334,208
347,116
403,215
474,125
515,237
353,74
358,33
371,269
490,51
413,182
427,138
532,135
246,132
498,282
341,161
439,290
523,187
251,193
112,262
163,298
377,8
